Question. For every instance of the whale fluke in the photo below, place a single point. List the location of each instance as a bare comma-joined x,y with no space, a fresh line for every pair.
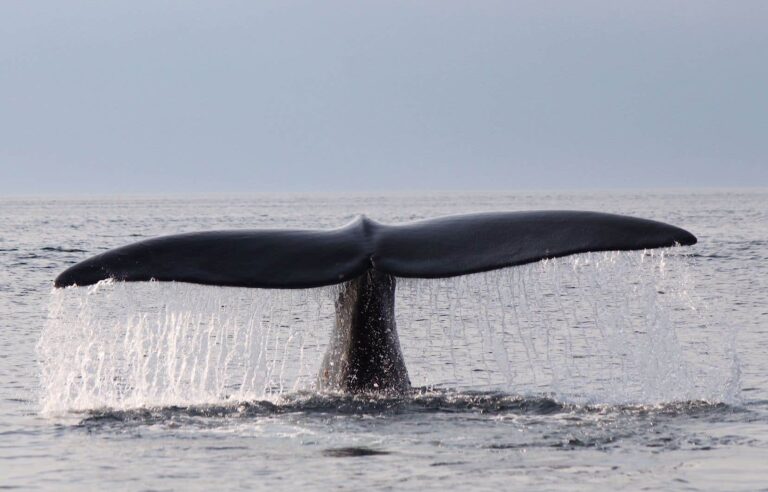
364,351
442,247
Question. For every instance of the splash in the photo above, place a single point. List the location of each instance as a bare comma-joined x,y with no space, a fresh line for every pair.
122,345
610,328
613,328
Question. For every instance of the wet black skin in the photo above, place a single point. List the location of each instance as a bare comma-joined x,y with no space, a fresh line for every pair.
364,351
366,256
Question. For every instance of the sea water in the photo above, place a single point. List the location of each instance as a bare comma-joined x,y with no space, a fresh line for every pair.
633,369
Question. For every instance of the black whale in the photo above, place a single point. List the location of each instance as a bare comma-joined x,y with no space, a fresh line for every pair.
364,352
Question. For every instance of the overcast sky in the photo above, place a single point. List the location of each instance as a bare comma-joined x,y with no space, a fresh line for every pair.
175,96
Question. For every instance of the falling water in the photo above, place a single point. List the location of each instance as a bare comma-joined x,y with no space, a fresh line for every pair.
595,328
123,345
616,327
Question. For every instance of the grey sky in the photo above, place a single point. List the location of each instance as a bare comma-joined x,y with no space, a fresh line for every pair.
174,96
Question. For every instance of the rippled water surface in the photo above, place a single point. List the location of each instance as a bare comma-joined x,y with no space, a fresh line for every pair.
633,370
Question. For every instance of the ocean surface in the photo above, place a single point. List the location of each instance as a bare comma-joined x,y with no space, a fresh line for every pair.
604,371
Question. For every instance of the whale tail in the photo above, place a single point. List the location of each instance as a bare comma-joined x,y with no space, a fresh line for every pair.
364,353
442,247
